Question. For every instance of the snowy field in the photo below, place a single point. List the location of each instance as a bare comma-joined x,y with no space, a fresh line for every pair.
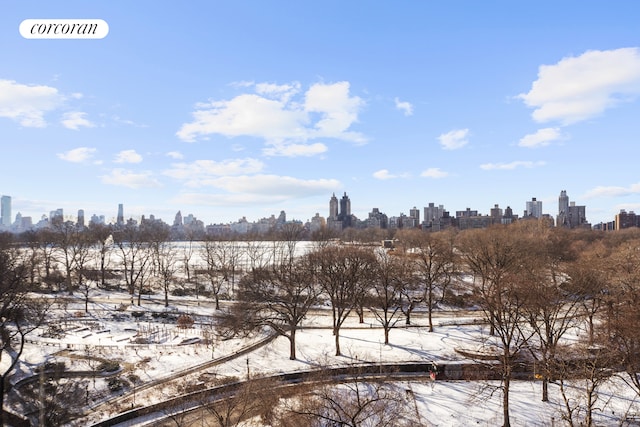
109,331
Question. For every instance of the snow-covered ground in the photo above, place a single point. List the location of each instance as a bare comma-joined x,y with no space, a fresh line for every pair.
109,329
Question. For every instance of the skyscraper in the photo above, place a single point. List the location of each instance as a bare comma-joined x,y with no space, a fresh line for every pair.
341,219
333,207
5,211
81,218
345,211
415,214
563,203
570,215
120,219
534,208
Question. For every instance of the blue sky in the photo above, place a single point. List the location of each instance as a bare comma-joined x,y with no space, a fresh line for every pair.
247,108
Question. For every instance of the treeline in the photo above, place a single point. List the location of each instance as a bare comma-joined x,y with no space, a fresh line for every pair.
534,284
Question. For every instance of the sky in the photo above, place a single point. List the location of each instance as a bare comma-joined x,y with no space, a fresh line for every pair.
246,108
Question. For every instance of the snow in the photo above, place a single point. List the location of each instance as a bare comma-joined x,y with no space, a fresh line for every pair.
103,336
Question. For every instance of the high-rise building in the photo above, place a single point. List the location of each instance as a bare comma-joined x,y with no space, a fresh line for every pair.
415,214
342,219
5,211
627,220
496,212
81,218
120,218
570,215
432,213
56,217
534,208
563,203
177,221
333,207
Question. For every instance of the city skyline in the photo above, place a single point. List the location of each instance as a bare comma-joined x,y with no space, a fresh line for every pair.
338,215
250,109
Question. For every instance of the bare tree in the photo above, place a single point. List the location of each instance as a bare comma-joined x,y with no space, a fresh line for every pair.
221,259
55,400
623,319
68,240
46,239
102,237
355,403
254,398
498,259
342,273
588,280
19,313
33,258
133,248
164,259
587,366
390,276
551,308
435,266
279,297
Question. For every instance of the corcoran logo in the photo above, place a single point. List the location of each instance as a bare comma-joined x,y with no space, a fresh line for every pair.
64,29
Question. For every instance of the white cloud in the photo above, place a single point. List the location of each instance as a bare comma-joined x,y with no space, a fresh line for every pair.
513,165
175,155
281,92
128,156
201,172
226,200
434,173
454,139
580,87
286,186
294,150
130,179
338,110
384,174
612,191
27,104
541,138
327,111
404,106
75,119
77,155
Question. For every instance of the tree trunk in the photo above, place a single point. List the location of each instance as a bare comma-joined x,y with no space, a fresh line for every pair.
386,334
430,308
292,344
545,389
505,402
2,420
336,333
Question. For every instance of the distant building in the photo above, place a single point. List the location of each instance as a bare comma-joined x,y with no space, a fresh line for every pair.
56,217
317,223
80,222
5,211
120,217
496,212
339,220
534,208
415,214
508,216
377,219
570,215
177,221
626,219
466,213
97,220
